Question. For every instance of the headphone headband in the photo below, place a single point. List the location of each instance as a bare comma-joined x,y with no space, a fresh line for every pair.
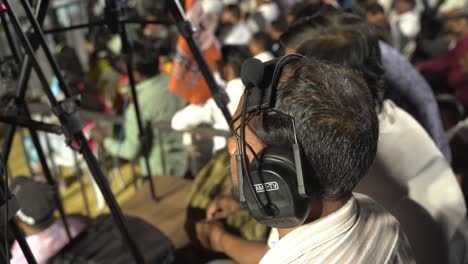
263,91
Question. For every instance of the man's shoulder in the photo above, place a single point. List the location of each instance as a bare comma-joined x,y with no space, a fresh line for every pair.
368,207
380,231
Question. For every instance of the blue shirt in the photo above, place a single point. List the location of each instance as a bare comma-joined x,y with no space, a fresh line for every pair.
408,89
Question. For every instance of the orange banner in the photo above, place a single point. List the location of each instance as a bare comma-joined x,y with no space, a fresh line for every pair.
186,79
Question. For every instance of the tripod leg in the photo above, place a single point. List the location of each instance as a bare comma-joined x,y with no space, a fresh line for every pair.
69,117
127,50
79,175
10,40
13,225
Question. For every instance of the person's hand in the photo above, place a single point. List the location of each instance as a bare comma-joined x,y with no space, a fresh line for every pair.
210,234
221,207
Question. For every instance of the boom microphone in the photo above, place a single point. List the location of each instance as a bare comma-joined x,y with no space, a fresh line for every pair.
252,72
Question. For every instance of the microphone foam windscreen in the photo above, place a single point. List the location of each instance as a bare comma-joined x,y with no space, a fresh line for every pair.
252,72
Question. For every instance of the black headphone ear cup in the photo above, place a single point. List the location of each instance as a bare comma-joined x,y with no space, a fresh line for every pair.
275,183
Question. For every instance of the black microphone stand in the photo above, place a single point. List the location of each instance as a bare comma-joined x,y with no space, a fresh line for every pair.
69,116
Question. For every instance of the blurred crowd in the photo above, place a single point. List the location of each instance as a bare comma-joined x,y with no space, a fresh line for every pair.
419,56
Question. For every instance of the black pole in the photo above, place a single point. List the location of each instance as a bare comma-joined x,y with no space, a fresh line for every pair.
103,23
186,30
114,11
69,117
74,27
25,72
10,40
48,175
41,9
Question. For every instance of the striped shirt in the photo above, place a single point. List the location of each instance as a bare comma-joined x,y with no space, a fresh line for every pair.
361,231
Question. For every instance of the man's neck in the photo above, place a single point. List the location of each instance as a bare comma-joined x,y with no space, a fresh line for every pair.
319,209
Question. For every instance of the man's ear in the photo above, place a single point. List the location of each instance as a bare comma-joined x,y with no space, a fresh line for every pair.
254,141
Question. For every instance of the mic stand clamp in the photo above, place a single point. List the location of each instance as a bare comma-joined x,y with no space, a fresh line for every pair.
68,112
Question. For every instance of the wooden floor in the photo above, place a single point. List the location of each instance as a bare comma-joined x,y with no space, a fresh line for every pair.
168,214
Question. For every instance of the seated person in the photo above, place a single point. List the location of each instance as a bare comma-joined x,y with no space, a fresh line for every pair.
408,170
232,30
260,46
405,23
338,134
45,234
157,104
406,87
209,113
456,23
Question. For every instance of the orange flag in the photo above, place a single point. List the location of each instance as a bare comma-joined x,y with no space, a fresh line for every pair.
186,79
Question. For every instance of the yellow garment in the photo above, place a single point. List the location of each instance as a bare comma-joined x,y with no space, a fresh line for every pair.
213,181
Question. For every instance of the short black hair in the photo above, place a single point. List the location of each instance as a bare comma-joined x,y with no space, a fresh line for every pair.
234,10
304,10
148,67
335,119
234,55
280,24
263,40
374,8
342,38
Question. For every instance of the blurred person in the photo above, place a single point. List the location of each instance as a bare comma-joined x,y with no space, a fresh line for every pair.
409,176
456,23
193,115
278,27
405,26
45,234
311,92
269,10
157,104
376,16
212,10
410,91
260,46
232,30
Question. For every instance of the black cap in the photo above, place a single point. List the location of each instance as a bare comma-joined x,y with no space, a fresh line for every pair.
35,202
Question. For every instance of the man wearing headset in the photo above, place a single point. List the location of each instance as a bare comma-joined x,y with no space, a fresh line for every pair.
336,126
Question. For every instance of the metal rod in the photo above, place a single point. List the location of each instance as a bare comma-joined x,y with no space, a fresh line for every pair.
80,174
102,23
74,27
23,121
161,148
20,238
186,30
146,22
127,50
40,13
41,38
48,175
9,37
32,125
13,225
78,137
